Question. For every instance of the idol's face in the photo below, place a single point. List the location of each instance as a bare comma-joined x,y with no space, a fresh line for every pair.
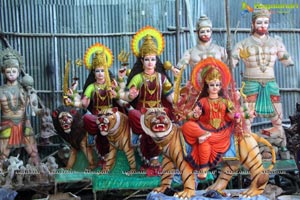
261,25
99,73
214,87
204,34
149,62
11,73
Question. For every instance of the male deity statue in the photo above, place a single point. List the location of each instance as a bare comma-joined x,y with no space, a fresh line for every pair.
15,127
205,47
259,52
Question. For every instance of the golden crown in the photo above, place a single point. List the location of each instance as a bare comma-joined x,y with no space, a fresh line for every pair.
213,75
98,55
148,47
99,60
147,33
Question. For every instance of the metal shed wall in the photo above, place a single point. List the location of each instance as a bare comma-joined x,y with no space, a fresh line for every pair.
49,32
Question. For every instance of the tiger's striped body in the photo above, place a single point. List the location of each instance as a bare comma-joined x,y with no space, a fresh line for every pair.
114,125
156,123
166,135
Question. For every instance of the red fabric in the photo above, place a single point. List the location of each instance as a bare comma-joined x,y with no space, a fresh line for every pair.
208,153
148,147
90,124
16,135
134,121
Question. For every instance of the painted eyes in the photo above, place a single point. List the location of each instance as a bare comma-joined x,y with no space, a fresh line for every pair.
214,85
99,70
150,59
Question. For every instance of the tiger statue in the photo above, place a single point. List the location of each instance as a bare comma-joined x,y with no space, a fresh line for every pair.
69,125
168,137
114,125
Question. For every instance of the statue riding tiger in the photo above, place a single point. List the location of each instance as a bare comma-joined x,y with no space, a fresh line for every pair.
169,137
69,125
114,125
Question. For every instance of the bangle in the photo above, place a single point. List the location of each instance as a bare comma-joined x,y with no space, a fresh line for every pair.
129,97
237,115
187,117
120,80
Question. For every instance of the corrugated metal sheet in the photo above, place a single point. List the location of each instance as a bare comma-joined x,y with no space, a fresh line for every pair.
49,32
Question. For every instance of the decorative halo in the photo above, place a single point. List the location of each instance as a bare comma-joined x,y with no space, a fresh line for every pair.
92,49
147,30
199,72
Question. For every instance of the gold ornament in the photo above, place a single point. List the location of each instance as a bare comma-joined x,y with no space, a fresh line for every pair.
142,34
99,60
148,47
123,57
97,47
214,75
167,65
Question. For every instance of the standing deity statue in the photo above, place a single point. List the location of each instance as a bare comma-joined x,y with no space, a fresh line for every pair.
259,53
15,101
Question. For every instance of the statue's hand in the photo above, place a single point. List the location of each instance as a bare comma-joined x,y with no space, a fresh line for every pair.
68,101
133,93
122,72
112,93
175,71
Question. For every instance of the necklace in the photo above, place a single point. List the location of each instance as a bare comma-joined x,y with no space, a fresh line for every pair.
99,90
13,92
148,79
215,110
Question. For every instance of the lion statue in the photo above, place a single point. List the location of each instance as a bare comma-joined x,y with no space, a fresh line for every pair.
114,125
169,138
69,125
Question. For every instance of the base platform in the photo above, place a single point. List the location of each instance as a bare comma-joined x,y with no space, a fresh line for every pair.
116,179
199,196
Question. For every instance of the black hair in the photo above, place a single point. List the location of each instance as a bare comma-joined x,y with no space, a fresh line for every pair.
138,68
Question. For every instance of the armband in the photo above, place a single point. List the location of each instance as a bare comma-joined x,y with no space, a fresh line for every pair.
247,116
118,96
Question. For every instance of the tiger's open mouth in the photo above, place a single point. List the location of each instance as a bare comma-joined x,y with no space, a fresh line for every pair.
66,127
158,127
103,127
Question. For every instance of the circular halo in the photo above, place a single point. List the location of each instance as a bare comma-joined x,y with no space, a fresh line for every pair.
147,30
199,72
97,47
